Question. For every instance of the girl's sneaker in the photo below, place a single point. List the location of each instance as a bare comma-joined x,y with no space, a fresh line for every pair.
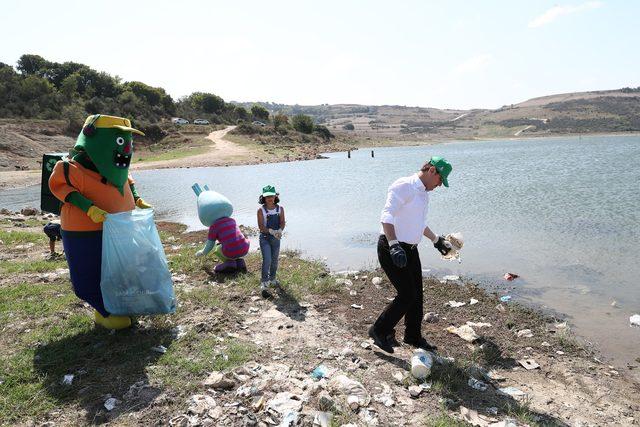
274,282
264,289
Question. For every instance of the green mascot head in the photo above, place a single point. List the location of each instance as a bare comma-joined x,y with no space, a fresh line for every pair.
108,142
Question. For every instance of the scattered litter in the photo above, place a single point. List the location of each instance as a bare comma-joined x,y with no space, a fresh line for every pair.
290,419
528,364
253,309
320,372
431,317
200,404
560,352
376,281
450,278
493,410
545,344
356,306
366,345
465,332
344,282
512,391
455,304
510,276
353,293
285,403
562,325
473,301
479,324
505,298
179,332
477,384
457,241
159,349
525,333
322,419
111,403
398,376
501,308
634,320
472,417
67,380
421,363
349,387
386,397
493,375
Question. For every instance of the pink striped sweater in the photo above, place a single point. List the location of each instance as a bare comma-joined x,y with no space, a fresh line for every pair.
226,231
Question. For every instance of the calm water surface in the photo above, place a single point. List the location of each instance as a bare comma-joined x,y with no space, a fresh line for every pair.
560,212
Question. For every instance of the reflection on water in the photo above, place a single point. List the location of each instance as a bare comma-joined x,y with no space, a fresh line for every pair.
561,212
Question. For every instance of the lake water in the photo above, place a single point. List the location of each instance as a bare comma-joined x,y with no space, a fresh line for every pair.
560,212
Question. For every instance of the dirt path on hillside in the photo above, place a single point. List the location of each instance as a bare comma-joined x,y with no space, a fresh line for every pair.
221,152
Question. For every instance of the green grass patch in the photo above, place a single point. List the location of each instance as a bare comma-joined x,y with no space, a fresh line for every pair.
33,301
175,154
444,420
187,362
18,237
31,266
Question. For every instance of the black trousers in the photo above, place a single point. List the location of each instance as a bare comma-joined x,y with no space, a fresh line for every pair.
408,284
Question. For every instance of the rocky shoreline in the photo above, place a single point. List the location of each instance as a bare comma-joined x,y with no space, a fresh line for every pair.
230,357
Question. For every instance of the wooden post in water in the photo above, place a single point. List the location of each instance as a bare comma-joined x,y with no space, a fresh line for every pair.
372,155
348,154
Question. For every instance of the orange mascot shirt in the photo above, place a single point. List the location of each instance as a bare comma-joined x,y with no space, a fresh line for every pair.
89,184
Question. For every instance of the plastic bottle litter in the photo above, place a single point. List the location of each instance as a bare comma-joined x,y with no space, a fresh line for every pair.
421,363
505,298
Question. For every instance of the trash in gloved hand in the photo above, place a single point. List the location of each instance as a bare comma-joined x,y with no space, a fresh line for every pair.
456,240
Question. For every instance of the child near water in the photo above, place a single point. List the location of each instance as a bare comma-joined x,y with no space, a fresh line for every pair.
271,223
52,230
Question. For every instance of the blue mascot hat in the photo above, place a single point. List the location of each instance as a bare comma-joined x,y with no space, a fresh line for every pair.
211,205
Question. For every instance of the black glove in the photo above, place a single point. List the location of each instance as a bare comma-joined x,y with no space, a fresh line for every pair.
442,246
398,255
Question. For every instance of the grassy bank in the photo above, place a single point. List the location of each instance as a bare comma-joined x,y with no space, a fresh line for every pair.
156,368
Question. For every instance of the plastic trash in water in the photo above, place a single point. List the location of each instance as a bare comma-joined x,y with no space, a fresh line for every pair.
635,320
505,298
421,364
510,276
135,277
320,372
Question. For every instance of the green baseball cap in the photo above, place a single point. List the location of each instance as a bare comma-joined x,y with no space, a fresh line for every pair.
443,167
269,190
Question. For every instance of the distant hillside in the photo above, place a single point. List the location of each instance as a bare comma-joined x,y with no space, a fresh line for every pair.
584,112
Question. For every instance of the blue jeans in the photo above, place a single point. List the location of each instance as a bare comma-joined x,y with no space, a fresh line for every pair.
270,248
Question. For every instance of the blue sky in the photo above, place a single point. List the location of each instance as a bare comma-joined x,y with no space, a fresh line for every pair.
444,54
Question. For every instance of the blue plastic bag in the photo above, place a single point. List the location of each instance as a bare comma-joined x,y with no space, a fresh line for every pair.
135,277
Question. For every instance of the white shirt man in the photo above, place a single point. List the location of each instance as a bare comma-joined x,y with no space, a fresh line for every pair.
403,222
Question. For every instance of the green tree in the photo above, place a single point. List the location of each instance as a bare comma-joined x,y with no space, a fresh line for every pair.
260,113
323,132
280,121
302,123
241,112
31,65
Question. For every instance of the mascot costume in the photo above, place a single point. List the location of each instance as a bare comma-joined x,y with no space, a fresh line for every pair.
214,211
93,183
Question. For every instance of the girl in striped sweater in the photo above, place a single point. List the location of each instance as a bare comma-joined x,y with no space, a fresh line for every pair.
214,211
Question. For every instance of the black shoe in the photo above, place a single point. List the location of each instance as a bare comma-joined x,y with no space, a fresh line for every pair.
421,343
380,341
391,339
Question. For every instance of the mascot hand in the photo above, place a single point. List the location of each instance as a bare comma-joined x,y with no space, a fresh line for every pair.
142,204
200,253
96,214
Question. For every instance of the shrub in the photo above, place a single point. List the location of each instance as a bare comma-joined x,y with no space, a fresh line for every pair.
323,132
349,126
302,123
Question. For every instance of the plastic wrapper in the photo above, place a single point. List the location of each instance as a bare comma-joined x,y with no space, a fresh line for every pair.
135,277
457,241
